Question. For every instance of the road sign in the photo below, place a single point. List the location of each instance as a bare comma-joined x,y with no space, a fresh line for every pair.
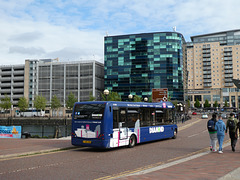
160,94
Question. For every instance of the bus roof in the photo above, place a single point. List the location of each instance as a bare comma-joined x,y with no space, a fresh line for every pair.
165,104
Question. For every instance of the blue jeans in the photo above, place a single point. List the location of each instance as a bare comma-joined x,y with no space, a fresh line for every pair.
220,141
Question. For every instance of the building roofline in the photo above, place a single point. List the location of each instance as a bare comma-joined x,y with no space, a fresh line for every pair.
209,34
146,33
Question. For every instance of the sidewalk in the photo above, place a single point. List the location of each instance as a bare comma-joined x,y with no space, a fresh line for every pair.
208,166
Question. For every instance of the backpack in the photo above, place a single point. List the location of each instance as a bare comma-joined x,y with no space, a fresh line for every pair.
231,125
211,125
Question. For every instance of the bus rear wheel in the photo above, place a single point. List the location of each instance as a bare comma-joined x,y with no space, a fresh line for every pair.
132,141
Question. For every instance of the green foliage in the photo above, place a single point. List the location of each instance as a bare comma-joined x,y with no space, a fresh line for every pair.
91,97
23,104
226,103
215,104
136,98
71,100
197,104
6,102
40,102
175,102
206,104
113,96
55,102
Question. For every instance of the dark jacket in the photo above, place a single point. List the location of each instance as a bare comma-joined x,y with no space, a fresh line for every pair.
212,131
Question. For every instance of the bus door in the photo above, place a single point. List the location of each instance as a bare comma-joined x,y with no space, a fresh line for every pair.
123,124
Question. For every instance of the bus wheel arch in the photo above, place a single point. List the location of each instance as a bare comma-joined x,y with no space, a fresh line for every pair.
132,141
175,134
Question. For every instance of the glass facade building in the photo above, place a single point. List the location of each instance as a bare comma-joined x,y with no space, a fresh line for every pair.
137,63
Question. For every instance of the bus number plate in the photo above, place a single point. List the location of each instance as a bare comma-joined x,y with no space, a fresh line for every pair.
87,142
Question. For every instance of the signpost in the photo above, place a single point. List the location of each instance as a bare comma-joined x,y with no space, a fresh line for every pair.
160,94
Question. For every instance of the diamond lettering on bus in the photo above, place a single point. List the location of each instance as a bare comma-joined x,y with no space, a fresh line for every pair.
156,129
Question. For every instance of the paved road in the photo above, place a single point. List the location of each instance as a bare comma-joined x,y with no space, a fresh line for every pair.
166,159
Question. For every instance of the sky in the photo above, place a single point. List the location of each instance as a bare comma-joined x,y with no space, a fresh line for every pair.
74,30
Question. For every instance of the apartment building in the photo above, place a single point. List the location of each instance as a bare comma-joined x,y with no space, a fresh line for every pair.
213,60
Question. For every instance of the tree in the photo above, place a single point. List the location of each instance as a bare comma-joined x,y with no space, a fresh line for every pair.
6,102
40,102
226,103
113,96
197,104
136,98
23,104
206,104
91,97
71,100
55,103
215,104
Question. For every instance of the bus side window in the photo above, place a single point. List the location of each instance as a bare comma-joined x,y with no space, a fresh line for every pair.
146,117
122,117
115,118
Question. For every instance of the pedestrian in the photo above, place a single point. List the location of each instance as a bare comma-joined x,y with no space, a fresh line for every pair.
232,126
212,132
220,127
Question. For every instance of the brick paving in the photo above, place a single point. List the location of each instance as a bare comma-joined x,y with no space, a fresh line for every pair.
209,166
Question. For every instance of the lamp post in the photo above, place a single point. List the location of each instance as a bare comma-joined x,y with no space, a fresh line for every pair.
130,96
106,93
145,99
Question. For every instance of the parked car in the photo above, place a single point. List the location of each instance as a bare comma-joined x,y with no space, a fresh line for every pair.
194,113
204,116
224,116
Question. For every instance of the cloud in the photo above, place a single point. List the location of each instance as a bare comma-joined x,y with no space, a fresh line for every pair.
26,37
27,51
73,30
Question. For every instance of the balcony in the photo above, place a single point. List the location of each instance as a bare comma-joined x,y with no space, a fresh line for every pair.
206,59
207,68
228,80
228,84
228,75
206,72
207,84
227,54
206,64
227,49
206,55
207,81
207,77
228,63
228,71
227,58
206,47
228,67
207,51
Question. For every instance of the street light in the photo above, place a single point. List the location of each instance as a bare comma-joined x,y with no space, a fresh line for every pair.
106,93
146,99
130,96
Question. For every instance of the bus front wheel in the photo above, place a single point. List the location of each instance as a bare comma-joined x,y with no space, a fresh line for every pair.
132,141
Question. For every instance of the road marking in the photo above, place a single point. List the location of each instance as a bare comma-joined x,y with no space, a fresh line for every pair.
35,153
162,165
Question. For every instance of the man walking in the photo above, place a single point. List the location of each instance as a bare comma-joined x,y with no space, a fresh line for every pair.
232,126
212,132
220,127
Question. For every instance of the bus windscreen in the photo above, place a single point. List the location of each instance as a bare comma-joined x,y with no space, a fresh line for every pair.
89,111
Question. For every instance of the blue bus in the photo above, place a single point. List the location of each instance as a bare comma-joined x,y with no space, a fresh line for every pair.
110,124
